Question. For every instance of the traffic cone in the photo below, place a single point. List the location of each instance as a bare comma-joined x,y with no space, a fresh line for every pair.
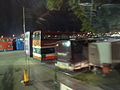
26,79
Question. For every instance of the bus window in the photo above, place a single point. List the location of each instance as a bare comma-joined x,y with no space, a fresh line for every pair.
8,40
10,45
36,50
33,35
47,50
36,36
4,39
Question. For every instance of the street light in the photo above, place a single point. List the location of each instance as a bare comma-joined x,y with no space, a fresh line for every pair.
13,35
2,36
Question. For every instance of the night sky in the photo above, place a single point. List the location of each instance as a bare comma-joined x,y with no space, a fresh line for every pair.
11,17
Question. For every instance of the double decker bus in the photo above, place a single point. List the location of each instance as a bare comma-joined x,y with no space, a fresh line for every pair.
6,44
44,43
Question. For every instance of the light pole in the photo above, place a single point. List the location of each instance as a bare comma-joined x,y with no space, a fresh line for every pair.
25,76
23,9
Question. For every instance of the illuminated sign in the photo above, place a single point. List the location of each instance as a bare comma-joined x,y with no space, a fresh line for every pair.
63,54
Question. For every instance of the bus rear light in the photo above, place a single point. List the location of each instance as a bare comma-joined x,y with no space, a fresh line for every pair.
50,57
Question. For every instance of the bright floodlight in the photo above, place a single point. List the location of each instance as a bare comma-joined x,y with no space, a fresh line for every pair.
67,44
13,35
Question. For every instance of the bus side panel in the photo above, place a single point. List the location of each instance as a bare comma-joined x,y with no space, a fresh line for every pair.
9,46
5,44
79,51
1,46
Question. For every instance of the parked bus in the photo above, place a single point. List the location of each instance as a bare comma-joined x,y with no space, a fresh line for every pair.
6,44
72,54
44,43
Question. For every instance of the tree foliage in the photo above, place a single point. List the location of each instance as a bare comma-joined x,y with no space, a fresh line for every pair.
109,17
73,6
54,4
85,20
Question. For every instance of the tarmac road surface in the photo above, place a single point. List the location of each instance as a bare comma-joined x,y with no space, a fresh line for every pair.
42,76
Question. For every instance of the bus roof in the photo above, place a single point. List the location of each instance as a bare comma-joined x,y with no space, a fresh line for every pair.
6,38
58,32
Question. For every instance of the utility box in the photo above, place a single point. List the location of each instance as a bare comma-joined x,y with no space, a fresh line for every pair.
100,53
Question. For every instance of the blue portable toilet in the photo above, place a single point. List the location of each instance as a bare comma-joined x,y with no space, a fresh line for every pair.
19,43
